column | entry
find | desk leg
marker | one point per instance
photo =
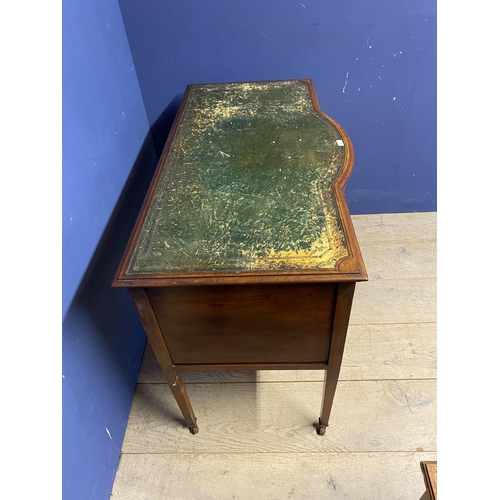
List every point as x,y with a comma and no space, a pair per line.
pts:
180,395
174,378
342,311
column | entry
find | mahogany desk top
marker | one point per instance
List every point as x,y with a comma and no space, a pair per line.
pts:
244,255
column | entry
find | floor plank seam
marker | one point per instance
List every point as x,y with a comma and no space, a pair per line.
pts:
373,280
395,324
317,452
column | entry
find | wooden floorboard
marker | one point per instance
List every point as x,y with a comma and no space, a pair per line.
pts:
394,301
266,476
398,246
257,438
382,415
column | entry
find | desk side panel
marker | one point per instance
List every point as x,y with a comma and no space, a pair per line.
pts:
245,324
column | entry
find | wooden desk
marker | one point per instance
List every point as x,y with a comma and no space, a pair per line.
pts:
244,256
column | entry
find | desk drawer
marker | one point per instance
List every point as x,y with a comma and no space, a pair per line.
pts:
245,323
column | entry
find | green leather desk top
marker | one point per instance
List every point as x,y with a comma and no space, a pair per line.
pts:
245,184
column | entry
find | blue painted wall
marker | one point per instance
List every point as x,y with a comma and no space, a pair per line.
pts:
124,73
104,125
106,141
373,64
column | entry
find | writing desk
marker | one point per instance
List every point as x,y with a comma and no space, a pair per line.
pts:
244,256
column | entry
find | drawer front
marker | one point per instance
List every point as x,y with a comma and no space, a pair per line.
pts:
245,323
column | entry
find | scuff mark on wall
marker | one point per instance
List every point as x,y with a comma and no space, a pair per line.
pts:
249,26
368,44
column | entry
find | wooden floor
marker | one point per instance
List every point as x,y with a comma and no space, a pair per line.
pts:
257,439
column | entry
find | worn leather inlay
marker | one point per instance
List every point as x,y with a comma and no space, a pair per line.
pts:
246,185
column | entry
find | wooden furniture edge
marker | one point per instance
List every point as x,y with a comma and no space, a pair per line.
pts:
262,279
430,484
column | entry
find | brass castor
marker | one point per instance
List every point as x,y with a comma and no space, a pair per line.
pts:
321,429
194,429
